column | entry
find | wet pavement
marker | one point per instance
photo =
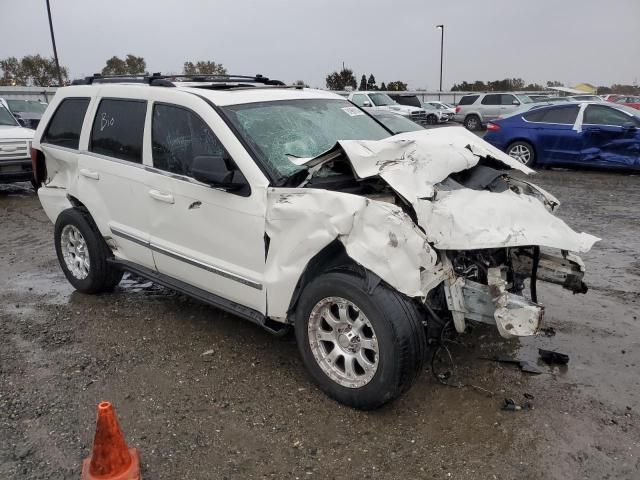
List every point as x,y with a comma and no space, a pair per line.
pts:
203,394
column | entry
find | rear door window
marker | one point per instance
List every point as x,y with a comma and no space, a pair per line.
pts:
506,99
66,124
563,115
468,99
178,136
118,129
492,99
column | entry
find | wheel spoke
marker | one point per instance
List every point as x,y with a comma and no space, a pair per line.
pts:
330,318
349,371
369,344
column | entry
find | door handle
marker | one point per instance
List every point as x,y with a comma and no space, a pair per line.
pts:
89,174
163,197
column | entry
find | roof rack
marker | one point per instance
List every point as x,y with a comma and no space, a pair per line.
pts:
159,80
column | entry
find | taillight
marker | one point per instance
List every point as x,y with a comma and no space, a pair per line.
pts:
458,109
38,166
492,127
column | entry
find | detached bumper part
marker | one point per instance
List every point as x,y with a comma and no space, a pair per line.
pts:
513,315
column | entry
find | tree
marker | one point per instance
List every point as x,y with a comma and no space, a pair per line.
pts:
204,68
341,80
624,89
31,70
363,82
554,83
300,83
397,86
131,65
383,87
371,83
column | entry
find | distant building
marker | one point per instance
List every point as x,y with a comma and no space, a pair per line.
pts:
586,88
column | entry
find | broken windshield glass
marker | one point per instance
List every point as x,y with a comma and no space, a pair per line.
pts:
300,128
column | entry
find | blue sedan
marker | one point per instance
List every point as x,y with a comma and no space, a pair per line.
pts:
592,134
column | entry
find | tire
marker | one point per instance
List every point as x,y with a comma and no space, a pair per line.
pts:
432,119
384,320
34,184
523,152
77,240
473,123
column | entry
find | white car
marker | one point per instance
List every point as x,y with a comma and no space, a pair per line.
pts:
291,207
445,110
15,149
383,102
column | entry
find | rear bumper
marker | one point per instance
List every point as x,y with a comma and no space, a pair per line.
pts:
16,170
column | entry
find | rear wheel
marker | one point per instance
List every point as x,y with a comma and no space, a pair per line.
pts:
83,253
472,122
522,152
362,349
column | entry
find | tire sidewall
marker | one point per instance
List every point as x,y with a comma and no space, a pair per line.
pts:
384,383
432,119
96,253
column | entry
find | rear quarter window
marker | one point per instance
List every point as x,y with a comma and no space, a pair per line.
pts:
118,128
468,100
66,123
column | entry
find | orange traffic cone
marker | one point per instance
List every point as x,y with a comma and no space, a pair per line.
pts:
111,459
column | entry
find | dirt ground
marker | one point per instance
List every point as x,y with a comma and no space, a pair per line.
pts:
247,410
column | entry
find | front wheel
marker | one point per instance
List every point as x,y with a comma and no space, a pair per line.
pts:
522,152
432,119
362,349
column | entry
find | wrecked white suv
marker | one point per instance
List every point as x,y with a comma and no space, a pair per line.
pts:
293,207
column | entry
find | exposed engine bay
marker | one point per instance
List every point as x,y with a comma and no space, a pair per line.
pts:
439,216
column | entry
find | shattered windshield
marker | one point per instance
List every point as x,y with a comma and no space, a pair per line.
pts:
381,99
6,118
300,128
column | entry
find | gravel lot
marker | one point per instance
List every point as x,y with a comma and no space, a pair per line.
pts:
247,409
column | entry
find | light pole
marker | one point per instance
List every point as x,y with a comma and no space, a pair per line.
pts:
441,28
53,41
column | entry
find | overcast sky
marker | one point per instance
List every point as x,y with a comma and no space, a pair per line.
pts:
573,41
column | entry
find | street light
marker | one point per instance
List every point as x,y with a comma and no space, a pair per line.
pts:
53,41
441,28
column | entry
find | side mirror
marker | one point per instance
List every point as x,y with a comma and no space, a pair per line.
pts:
515,102
366,104
218,172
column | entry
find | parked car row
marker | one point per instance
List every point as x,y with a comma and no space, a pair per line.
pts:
27,112
15,149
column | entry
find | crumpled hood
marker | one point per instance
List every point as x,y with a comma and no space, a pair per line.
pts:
414,164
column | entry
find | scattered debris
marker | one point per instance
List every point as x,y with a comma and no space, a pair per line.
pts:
524,365
208,352
551,357
528,396
511,405
548,331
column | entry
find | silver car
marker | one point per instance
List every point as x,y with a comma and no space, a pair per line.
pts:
478,109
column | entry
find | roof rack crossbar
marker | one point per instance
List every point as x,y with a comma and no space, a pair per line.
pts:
158,79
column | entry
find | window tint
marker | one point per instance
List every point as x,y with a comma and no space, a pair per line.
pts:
601,115
492,99
534,116
565,115
118,128
65,125
508,99
178,136
468,99
359,99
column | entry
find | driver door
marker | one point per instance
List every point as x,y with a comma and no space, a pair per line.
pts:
610,138
206,237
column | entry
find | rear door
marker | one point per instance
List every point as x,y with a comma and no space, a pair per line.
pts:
611,138
491,106
112,179
556,139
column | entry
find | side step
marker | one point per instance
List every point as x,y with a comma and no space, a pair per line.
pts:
234,308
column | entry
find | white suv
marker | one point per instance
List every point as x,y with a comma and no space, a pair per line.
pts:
293,207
